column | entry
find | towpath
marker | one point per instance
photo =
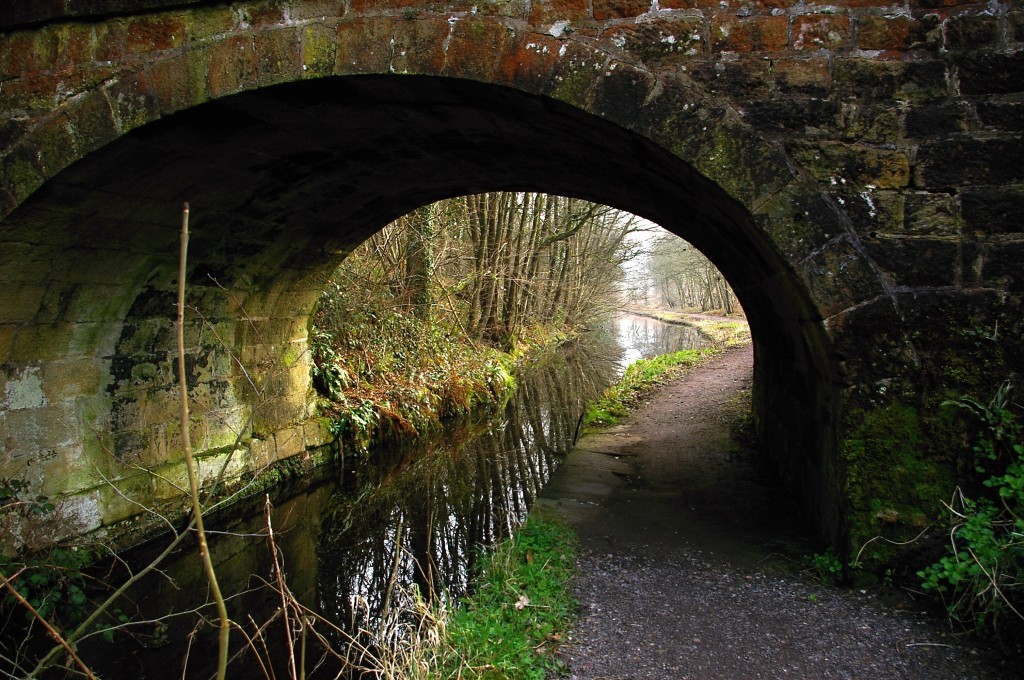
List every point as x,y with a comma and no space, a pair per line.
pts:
687,563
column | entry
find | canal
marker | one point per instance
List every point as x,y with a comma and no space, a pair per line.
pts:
359,542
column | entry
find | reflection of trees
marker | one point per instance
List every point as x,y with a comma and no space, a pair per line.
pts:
420,519
650,337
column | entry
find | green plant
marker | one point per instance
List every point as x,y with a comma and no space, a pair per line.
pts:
980,579
827,567
49,579
521,608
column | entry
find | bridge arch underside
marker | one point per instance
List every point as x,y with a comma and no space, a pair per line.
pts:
283,182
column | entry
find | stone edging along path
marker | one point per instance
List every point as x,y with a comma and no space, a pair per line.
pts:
680,572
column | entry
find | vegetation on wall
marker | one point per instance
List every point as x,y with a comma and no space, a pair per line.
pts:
980,578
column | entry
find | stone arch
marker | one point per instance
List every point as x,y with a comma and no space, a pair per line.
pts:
595,125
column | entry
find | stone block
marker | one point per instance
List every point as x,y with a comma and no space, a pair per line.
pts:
866,123
872,211
20,172
731,33
936,121
978,161
1000,265
886,33
820,31
853,165
319,51
740,79
179,81
19,55
808,76
660,41
126,497
742,163
801,222
56,341
878,81
277,56
7,332
800,115
840,277
1015,26
972,32
364,45
544,13
92,119
990,73
993,210
154,32
618,9
260,15
20,301
1001,116
476,48
205,23
65,379
31,430
22,388
230,66
915,261
263,452
928,214
289,442
317,432
620,94
370,6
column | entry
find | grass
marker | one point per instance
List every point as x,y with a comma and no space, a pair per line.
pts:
640,377
521,609
510,627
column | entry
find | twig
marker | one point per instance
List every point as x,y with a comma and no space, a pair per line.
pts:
186,444
281,589
46,624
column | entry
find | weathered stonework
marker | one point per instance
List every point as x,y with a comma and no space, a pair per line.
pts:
853,167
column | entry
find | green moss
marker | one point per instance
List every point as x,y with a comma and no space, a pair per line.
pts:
319,50
895,482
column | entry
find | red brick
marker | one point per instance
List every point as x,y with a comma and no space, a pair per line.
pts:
476,48
820,31
367,6
232,66
616,9
884,33
363,45
749,34
419,45
546,12
277,55
150,34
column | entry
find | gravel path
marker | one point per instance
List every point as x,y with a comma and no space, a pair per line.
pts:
683,571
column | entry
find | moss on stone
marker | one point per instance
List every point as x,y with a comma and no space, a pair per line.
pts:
895,483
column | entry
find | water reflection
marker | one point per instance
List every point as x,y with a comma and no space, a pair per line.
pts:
419,519
643,337
358,545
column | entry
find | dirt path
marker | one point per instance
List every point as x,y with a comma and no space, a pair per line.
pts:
681,569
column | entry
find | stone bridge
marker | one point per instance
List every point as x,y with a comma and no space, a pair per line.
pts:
853,167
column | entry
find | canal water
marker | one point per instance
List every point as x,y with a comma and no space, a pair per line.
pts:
357,542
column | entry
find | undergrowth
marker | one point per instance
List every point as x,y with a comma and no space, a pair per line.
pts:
384,372
980,578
